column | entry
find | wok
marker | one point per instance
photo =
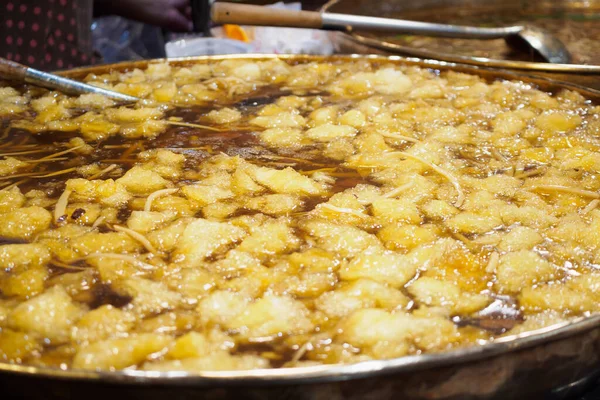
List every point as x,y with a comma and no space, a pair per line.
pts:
555,362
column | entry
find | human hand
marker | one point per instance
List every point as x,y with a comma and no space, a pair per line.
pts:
174,15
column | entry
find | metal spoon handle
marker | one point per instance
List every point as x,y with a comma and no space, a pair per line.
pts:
245,14
345,21
15,71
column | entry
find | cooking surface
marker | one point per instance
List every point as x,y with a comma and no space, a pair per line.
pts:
322,206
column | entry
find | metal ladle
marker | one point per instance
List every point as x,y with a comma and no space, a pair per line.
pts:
520,37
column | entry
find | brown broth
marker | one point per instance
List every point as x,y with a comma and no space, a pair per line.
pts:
464,261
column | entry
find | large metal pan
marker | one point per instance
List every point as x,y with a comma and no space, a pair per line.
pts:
433,10
556,362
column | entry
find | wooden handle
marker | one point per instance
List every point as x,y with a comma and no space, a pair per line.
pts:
12,70
245,14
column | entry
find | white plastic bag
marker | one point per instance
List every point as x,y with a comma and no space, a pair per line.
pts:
263,40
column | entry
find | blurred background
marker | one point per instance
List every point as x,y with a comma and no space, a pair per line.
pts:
117,38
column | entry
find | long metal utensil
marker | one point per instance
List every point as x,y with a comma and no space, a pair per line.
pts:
548,47
15,71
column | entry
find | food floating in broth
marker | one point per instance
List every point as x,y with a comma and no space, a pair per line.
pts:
262,214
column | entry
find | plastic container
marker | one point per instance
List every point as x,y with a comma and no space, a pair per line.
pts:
205,46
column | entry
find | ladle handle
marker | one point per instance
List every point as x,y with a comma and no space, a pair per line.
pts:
15,71
246,14
12,70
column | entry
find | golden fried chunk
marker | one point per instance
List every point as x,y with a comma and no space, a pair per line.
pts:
167,164
520,238
577,294
521,269
20,257
362,293
147,129
165,239
557,297
204,195
149,297
190,345
329,132
11,199
107,192
142,181
433,292
397,236
272,316
367,327
119,353
381,266
102,323
201,238
467,222
15,347
221,307
274,204
11,102
25,284
24,223
396,210
194,283
164,91
282,137
284,119
122,114
557,121
94,100
146,221
49,315
93,127
76,284
286,181
49,108
270,238
83,213
342,239
224,116
384,81
110,242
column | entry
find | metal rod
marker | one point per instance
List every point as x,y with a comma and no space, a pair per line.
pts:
70,86
336,21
